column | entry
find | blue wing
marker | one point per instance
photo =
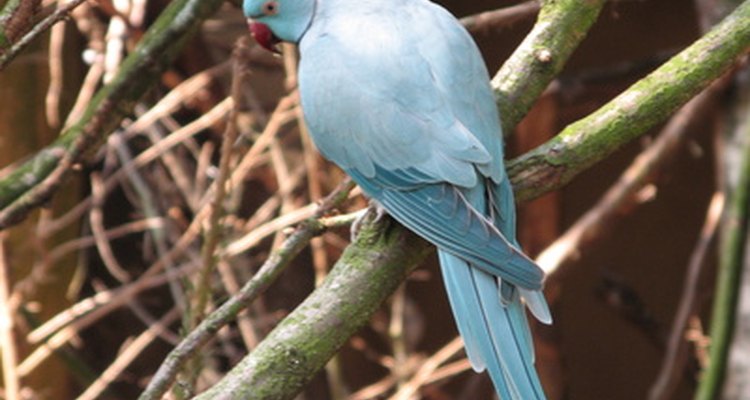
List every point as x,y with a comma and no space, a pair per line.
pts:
442,214
396,93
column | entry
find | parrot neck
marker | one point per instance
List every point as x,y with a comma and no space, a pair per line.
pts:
314,15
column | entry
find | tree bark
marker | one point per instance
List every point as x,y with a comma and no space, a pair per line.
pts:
293,353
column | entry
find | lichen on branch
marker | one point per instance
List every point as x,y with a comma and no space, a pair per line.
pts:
631,114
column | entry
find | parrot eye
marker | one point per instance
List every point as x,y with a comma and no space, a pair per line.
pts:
270,8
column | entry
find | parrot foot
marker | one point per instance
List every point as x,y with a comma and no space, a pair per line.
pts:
380,212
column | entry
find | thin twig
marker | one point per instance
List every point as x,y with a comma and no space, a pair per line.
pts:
271,269
103,303
666,381
134,348
734,238
212,232
58,15
277,225
175,166
624,194
96,218
68,324
87,91
149,155
232,286
397,336
488,21
428,368
450,370
9,351
179,96
52,99
36,180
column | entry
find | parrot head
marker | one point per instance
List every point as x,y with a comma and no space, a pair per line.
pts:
273,21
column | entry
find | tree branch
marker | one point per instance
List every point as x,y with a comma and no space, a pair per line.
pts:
366,274
493,20
372,267
15,19
267,274
31,184
733,245
632,113
15,46
560,27
623,195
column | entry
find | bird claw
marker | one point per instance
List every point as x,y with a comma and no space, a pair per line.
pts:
380,213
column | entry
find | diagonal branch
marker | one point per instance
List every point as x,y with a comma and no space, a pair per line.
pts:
374,265
228,311
635,111
16,17
495,19
559,29
31,184
20,43
365,275
623,195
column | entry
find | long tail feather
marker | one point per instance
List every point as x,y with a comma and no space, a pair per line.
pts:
496,335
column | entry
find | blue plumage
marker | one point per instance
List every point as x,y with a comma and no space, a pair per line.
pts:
396,93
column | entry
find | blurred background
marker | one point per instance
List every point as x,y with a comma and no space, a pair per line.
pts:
85,258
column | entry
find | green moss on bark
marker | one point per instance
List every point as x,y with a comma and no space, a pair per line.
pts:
560,27
365,275
635,111
22,190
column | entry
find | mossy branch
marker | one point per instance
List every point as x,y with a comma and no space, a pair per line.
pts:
266,275
560,27
31,184
12,45
373,266
15,19
370,270
732,249
365,275
198,337
645,104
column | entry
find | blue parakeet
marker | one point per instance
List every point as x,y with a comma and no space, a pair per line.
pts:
396,93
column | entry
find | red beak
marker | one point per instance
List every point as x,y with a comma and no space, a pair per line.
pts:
263,35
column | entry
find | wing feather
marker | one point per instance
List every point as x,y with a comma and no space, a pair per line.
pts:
399,96
409,114
441,214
